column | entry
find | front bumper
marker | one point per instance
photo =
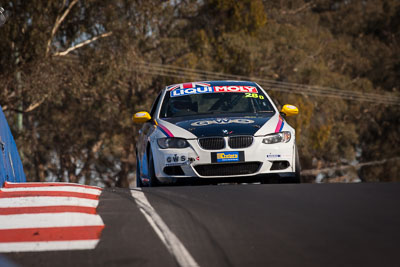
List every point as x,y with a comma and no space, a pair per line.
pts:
194,161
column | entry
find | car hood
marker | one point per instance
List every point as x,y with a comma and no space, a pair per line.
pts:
221,126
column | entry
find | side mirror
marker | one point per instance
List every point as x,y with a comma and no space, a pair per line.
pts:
141,117
290,110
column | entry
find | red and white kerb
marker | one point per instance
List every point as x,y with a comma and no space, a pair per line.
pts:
49,217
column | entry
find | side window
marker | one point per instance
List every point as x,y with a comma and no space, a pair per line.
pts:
155,104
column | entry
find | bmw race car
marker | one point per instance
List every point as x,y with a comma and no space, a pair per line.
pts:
215,131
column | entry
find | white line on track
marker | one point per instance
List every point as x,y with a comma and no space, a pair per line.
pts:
39,220
54,189
35,201
47,245
173,244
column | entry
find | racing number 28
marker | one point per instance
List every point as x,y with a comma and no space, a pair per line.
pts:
254,95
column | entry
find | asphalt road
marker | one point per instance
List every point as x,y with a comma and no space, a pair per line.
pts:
246,225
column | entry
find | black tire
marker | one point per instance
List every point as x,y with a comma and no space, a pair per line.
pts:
297,171
295,179
138,178
153,181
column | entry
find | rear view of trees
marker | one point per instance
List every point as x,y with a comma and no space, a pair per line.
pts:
70,77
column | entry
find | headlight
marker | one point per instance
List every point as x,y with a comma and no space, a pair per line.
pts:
282,137
172,143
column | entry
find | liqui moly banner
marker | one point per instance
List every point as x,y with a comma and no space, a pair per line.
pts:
213,89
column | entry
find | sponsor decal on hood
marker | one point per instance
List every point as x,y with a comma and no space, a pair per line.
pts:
222,126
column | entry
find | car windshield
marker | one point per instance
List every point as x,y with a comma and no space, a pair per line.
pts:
194,101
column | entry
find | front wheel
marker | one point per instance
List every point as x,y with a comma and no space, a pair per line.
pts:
297,167
153,181
295,179
138,178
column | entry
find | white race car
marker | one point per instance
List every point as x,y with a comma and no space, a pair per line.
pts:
216,131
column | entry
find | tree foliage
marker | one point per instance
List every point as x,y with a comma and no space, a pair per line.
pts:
76,107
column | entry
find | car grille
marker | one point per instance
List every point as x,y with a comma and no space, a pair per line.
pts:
212,143
226,169
240,141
